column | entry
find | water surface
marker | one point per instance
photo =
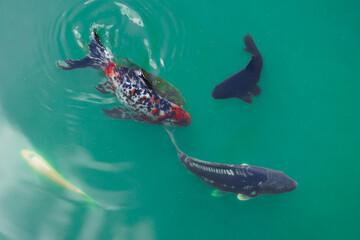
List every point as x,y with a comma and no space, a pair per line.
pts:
305,122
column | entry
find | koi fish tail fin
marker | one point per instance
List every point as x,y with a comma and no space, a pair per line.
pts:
250,45
98,57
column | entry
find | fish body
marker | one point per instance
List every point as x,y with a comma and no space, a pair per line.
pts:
244,180
132,88
243,84
41,166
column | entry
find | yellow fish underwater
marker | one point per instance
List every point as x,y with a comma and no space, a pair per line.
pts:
44,168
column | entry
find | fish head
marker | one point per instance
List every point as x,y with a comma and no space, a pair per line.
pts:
181,116
222,91
278,182
230,88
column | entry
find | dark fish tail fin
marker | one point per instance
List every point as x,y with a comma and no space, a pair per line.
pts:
250,45
98,57
172,139
182,156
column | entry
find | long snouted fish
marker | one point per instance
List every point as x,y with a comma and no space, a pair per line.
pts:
41,166
243,84
244,180
133,87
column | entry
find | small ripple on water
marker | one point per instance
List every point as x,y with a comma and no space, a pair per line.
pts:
131,14
93,98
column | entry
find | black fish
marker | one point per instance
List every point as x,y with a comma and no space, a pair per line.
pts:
243,84
244,180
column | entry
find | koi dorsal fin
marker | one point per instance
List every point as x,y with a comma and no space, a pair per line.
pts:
160,86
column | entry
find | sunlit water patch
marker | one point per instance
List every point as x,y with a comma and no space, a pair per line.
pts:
304,121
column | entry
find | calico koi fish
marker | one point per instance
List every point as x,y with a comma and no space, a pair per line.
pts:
142,99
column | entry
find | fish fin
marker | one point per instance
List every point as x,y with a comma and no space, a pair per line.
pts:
218,193
98,57
90,201
159,85
148,83
72,64
180,153
243,197
118,112
250,45
255,91
131,64
164,88
246,98
125,114
105,88
245,164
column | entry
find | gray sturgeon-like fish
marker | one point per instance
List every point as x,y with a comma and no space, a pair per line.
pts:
244,180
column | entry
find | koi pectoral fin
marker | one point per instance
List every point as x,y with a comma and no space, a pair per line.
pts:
218,193
255,91
243,197
73,64
125,114
105,88
246,98
118,112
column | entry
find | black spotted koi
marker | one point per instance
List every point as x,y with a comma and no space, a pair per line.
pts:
142,99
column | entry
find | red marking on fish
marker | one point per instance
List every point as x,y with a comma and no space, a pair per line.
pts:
161,117
155,111
181,115
109,69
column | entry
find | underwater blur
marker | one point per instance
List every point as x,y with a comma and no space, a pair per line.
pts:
68,171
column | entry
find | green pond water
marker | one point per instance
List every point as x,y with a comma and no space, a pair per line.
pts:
305,122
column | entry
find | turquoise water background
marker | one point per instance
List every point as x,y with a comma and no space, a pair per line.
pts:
305,122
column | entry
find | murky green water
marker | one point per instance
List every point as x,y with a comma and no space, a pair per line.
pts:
305,122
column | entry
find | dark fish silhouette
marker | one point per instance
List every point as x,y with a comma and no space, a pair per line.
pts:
243,84
244,180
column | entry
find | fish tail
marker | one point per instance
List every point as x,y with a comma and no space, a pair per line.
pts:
90,201
172,139
98,57
250,45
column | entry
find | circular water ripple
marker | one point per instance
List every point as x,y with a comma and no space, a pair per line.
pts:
147,33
